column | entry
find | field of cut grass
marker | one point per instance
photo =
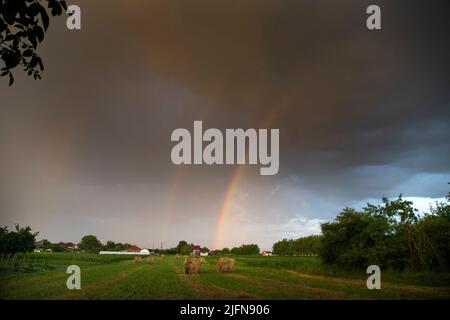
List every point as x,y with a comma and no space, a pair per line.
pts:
312,265
118,277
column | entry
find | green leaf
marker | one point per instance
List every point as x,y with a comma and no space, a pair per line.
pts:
34,9
9,12
45,18
11,59
39,33
63,4
56,10
3,26
34,61
32,39
41,65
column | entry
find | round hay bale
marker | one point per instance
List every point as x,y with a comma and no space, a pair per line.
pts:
192,266
225,265
202,260
150,260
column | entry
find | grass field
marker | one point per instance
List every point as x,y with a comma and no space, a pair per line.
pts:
43,276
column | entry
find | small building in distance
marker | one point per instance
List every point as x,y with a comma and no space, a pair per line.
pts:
213,252
133,250
196,250
266,253
69,246
39,245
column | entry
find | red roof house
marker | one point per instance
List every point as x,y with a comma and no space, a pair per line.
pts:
134,249
196,249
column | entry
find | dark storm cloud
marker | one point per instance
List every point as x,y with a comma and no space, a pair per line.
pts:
369,96
345,98
362,113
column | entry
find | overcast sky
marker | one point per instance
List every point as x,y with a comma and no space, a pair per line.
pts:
362,114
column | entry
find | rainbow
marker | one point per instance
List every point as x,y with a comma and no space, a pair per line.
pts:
176,185
226,206
230,190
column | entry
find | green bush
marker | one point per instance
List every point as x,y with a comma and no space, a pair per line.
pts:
299,247
19,240
390,235
245,249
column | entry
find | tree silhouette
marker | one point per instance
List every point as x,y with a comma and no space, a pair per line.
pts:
90,243
23,24
19,240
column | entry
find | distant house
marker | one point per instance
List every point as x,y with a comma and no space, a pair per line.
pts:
39,244
69,246
196,250
133,250
266,253
213,252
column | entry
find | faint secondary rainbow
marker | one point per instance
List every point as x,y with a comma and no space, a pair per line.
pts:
172,200
174,191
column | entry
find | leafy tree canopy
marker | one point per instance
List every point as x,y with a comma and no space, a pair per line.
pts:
23,24
302,246
90,243
390,235
246,249
18,240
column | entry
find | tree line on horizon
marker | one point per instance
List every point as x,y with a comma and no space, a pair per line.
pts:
304,246
391,235
24,240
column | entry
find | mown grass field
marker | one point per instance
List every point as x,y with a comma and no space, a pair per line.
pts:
43,276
